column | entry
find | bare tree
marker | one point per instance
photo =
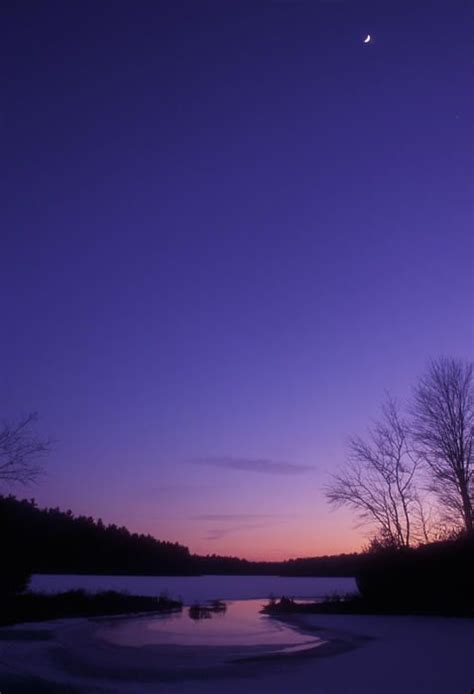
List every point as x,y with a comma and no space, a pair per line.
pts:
21,451
378,480
443,427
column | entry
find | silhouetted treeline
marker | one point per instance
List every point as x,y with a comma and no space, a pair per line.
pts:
338,565
54,541
433,577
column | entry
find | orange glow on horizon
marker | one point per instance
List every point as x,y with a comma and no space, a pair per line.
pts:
267,545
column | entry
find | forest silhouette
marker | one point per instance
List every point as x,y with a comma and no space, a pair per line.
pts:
55,541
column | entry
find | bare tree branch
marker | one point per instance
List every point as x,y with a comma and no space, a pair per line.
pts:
443,412
21,451
378,480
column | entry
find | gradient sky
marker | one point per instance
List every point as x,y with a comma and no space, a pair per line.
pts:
227,228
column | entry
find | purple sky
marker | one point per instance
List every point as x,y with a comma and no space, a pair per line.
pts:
227,228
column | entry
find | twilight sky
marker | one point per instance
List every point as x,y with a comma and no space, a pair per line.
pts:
228,227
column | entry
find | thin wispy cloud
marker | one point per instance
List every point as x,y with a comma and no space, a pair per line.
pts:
220,525
232,523
232,517
259,465
300,3
219,533
183,491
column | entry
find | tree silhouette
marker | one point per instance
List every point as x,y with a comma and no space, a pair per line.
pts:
21,451
444,431
378,480
55,541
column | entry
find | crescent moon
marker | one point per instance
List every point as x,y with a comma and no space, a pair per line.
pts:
367,38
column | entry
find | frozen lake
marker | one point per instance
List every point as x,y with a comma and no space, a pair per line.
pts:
191,589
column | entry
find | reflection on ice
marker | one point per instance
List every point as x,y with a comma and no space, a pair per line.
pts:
237,623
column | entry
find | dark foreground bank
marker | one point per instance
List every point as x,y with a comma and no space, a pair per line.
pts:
38,607
357,605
